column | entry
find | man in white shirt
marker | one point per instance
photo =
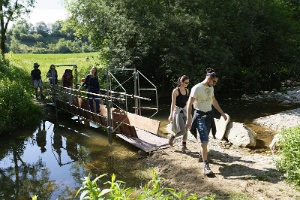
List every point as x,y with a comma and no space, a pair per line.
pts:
202,98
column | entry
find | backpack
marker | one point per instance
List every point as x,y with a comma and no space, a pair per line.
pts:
67,78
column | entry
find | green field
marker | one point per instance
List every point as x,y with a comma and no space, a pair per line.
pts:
26,61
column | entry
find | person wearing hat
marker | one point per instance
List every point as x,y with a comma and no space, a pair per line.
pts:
37,80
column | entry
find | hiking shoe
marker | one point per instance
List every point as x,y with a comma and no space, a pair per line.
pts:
206,169
185,149
171,140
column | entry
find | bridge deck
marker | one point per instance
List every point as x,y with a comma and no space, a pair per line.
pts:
137,130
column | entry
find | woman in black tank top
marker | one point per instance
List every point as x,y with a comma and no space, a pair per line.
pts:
182,99
177,116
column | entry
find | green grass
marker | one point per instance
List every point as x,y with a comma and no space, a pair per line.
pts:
289,161
26,61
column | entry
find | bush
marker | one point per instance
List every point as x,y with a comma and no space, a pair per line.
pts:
117,190
17,108
16,105
289,161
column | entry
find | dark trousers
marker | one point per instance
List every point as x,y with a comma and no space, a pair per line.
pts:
93,98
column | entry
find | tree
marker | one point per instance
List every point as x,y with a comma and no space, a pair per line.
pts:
56,28
42,29
11,10
252,44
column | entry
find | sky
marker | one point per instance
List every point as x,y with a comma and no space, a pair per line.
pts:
48,11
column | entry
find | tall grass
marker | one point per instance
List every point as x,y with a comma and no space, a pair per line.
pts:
116,189
289,161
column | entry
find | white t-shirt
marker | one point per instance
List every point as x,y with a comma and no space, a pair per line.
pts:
203,97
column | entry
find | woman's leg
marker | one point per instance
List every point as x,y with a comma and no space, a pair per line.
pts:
91,102
97,101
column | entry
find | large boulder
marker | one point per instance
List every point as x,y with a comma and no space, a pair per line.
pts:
240,135
280,121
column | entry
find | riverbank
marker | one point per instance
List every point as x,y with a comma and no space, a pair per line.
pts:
239,173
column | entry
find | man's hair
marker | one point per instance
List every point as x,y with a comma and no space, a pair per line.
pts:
211,72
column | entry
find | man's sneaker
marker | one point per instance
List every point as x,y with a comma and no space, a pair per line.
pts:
171,140
207,170
185,149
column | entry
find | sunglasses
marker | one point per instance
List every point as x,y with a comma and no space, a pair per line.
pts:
186,83
214,81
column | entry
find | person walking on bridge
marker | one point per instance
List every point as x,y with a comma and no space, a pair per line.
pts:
202,98
92,84
178,114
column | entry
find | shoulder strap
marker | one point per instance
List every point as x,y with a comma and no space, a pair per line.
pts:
179,93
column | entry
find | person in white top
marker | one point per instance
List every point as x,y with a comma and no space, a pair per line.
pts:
202,98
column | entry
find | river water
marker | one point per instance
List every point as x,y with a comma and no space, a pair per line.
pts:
51,159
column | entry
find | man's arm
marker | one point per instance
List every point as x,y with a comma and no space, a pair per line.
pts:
217,106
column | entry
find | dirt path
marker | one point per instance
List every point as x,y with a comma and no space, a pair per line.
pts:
237,171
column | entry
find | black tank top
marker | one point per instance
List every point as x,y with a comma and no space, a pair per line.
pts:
181,99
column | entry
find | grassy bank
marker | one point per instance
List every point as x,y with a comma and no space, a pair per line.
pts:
17,105
25,61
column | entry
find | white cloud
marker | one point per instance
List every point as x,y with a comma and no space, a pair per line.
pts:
47,11
47,16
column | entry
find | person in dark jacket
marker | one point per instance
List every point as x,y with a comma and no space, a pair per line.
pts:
92,84
37,80
180,96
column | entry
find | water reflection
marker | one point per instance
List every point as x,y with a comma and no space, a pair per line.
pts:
51,160
41,137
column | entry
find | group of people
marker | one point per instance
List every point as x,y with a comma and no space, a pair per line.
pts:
91,83
67,79
201,98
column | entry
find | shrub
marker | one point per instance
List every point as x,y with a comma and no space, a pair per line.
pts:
16,104
116,190
17,108
289,161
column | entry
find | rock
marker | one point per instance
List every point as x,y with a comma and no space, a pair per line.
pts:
290,97
274,144
240,135
237,134
280,121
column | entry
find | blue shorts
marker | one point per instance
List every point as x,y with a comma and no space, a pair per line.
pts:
202,129
203,125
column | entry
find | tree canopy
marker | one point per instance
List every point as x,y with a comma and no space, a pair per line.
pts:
253,45
11,10
24,37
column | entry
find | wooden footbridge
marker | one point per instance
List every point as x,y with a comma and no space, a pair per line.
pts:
134,128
